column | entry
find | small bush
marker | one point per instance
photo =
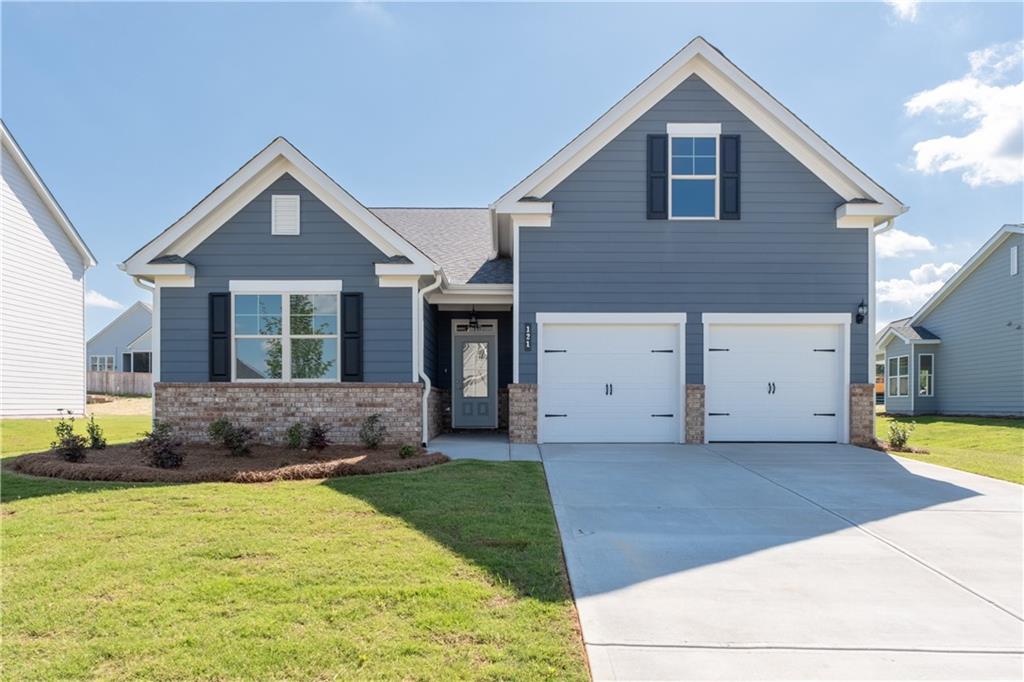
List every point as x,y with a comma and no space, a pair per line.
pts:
899,434
217,429
236,439
96,439
373,431
161,447
316,436
407,451
295,435
69,445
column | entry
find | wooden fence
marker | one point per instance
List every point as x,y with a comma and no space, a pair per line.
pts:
120,383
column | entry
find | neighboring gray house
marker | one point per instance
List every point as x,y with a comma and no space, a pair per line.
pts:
43,262
963,352
694,266
124,344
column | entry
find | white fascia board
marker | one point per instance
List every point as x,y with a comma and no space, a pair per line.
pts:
865,215
388,269
700,58
611,318
963,273
398,281
29,171
472,294
285,286
777,318
255,176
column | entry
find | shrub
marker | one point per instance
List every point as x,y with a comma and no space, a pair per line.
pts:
237,439
899,434
161,447
407,451
69,445
295,435
96,439
316,436
373,432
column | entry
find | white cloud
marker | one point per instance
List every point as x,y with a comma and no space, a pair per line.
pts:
900,244
992,105
95,299
924,281
904,10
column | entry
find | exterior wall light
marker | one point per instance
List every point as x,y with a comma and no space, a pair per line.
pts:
862,311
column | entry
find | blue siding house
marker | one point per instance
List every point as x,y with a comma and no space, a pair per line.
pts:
963,352
695,266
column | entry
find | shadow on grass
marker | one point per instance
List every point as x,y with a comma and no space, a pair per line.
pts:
496,514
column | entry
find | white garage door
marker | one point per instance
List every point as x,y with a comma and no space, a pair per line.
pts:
610,383
773,383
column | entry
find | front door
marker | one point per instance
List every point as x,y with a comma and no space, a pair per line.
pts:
475,375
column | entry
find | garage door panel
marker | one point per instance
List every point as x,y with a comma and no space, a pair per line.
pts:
773,382
603,383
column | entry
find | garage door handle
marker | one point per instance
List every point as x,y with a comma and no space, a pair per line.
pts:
606,389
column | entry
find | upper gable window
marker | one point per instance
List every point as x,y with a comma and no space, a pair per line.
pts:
284,214
1014,259
693,170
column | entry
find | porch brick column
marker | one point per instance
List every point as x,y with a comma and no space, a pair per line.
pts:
862,414
522,413
694,413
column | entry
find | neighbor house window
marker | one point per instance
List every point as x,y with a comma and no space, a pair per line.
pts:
101,363
693,170
1014,261
286,337
926,375
899,377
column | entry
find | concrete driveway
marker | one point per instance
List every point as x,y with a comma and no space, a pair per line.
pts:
788,562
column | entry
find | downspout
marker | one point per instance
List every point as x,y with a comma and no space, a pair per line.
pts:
424,429
885,227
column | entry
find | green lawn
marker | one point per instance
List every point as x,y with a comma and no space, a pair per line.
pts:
453,572
991,447
18,436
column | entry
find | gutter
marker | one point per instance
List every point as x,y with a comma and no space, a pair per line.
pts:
421,360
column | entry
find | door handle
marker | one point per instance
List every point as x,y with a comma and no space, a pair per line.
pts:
611,389
771,388
606,389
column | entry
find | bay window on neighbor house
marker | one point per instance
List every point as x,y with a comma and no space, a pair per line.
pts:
926,375
285,336
693,171
899,377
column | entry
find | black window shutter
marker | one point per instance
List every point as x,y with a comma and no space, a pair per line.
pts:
657,177
729,171
352,337
220,337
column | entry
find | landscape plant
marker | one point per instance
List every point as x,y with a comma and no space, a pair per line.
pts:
162,447
407,451
295,435
69,445
899,434
316,436
96,439
373,431
236,439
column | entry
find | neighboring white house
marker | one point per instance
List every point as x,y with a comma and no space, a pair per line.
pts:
43,261
124,344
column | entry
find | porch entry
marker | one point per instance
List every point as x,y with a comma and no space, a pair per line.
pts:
474,374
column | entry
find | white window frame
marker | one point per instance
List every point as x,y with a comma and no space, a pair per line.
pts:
274,200
889,376
107,361
1014,259
714,130
931,378
285,337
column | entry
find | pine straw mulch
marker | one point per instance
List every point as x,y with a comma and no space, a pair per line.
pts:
204,463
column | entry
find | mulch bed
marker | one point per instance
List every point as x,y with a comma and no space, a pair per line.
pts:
207,463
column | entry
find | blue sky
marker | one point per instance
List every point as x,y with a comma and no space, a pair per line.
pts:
133,112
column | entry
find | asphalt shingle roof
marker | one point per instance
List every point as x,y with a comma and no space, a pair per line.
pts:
901,327
457,239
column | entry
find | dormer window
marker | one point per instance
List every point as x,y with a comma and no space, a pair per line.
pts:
284,214
693,170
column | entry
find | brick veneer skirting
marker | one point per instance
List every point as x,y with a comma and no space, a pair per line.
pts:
522,413
694,413
439,412
270,408
862,414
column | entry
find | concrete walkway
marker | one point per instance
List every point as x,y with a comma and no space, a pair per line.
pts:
788,562
491,446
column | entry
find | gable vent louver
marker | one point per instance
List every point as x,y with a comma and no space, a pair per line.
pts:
284,214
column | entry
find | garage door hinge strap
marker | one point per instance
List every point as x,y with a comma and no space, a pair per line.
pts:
824,414
555,351
662,415
718,350
663,351
824,350
718,414
556,415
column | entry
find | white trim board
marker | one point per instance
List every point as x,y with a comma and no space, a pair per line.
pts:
701,58
18,155
678,319
276,159
285,286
